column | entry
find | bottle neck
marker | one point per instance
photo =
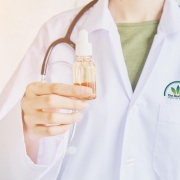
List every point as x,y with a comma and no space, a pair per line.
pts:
83,58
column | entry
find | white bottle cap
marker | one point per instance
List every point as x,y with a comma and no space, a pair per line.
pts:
83,47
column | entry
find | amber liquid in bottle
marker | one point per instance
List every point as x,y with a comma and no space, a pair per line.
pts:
84,74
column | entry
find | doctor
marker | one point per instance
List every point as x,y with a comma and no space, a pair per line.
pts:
131,131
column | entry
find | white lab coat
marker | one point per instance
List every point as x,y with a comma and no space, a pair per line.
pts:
123,135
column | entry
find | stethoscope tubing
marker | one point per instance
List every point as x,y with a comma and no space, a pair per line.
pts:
68,41
65,39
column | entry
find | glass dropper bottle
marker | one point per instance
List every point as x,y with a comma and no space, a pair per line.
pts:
84,70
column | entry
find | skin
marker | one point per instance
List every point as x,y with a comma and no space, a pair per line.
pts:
42,101
40,107
135,11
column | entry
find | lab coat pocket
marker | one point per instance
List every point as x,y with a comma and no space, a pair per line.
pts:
166,159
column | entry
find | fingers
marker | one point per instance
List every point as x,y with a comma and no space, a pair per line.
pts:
45,118
43,131
39,88
54,102
43,100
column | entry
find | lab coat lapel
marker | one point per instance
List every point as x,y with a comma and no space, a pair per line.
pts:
119,60
169,24
100,19
154,56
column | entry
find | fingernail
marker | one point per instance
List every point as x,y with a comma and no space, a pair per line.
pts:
84,105
87,91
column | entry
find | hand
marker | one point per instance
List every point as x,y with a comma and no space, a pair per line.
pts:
42,103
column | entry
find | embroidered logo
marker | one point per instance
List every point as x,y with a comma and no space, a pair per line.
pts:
172,90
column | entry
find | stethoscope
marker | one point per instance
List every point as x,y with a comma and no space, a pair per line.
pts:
68,41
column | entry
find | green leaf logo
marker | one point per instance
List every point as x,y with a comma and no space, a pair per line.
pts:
173,90
176,91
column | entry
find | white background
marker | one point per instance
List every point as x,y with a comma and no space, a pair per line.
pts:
20,21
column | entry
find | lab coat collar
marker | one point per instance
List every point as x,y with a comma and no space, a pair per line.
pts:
170,19
100,17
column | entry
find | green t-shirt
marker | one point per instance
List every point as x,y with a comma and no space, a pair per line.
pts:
136,40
